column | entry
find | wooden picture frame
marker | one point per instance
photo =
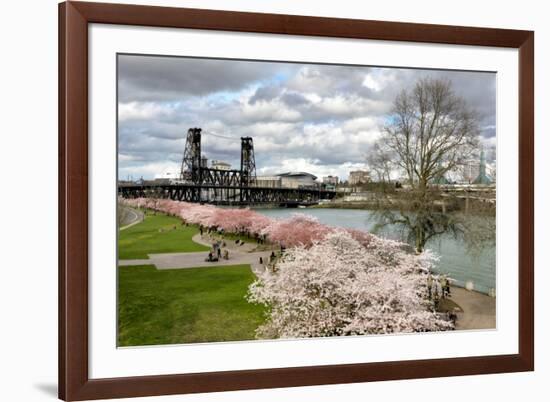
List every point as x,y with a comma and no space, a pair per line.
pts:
74,381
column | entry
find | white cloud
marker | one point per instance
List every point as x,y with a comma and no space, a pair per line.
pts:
148,170
274,111
144,111
378,79
371,83
318,118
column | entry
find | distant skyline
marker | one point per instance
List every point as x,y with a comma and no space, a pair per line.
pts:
320,119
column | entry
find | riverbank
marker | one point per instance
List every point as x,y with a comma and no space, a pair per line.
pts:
370,205
474,310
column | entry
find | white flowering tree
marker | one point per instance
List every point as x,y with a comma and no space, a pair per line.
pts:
339,286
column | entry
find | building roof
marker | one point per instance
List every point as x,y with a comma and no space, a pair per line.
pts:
296,174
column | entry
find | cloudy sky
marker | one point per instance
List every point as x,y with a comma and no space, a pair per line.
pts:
303,117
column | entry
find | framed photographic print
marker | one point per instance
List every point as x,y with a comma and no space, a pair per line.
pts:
259,200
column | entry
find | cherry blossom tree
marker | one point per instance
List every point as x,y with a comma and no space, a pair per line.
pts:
299,229
233,220
329,281
340,287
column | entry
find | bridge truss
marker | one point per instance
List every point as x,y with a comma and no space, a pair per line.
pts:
199,183
227,195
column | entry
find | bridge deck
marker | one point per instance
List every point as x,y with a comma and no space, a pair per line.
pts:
226,194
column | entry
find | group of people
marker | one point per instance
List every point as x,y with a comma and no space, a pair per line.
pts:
216,253
439,287
271,263
260,239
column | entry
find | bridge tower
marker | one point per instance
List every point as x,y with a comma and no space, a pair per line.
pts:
248,168
191,162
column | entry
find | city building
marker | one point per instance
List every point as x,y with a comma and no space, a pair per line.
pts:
166,177
358,177
220,165
268,181
478,171
468,172
298,179
482,177
441,179
161,180
330,180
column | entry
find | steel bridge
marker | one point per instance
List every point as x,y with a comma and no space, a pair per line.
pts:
199,183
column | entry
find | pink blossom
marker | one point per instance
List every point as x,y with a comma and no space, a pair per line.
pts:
338,287
300,229
329,281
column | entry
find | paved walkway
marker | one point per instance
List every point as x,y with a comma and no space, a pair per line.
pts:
238,255
132,217
478,309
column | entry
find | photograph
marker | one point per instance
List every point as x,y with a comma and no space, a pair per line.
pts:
268,200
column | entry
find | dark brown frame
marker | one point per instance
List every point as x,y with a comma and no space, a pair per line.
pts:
74,17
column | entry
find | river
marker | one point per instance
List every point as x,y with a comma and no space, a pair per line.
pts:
456,260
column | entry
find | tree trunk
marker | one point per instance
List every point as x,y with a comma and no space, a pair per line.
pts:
420,238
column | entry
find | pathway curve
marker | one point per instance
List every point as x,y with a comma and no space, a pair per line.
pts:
479,310
238,255
133,217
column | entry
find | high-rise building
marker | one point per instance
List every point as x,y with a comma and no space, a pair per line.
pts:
477,171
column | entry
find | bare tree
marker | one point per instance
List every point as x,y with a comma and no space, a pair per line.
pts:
380,160
431,132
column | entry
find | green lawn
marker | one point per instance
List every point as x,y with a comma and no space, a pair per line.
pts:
157,234
185,305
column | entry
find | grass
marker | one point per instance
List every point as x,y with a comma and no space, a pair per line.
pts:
157,234
185,305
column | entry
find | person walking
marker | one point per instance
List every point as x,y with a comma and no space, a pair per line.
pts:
436,293
443,285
